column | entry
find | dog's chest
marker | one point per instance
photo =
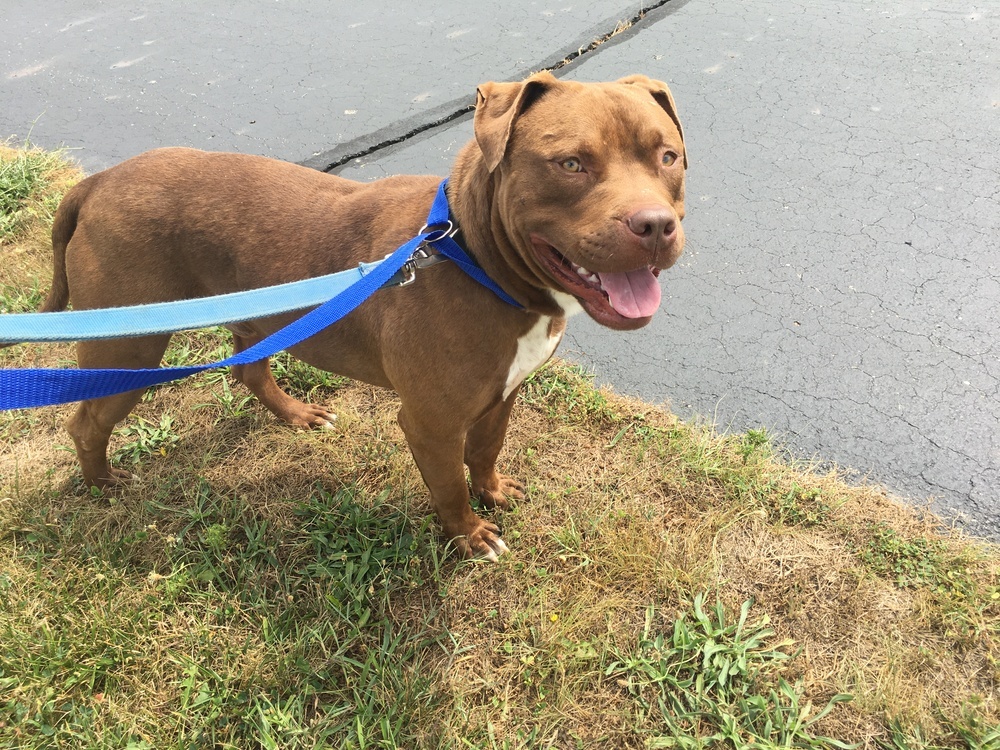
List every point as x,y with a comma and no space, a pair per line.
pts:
533,349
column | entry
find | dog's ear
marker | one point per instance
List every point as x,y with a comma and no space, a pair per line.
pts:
663,97
498,105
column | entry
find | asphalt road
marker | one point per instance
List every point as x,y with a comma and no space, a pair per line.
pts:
840,283
114,78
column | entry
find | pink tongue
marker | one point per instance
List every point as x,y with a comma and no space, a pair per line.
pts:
635,294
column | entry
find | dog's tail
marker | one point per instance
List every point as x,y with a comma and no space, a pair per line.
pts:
63,227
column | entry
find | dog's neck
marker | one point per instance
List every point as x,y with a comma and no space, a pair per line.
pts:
471,191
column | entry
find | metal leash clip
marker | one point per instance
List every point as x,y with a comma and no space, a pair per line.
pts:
423,256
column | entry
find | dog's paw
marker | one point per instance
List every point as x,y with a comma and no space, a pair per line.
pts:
499,492
310,416
484,542
111,480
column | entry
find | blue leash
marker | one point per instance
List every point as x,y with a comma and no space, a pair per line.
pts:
27,388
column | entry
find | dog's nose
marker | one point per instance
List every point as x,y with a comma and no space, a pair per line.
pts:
653,225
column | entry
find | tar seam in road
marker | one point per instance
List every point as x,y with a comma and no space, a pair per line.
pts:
404,130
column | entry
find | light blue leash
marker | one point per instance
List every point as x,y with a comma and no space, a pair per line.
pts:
26,388
179,315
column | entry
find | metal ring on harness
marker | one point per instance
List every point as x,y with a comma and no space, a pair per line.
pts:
438,234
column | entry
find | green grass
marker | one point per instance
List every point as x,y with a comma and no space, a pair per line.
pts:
288,641
910,562
25,195
716,681
20,299
145,439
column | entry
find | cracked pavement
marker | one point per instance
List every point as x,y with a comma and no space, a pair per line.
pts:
840,284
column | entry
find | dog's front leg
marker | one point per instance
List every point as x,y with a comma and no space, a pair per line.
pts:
482,446
257,376
437,447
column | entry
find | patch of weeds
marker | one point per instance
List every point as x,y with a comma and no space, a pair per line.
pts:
715,681
653,434
965,604
646,438
973,731
906,738
40,531
302,380
216,537
146,438
799,506
50,722
55,669
572,544
908,562
566,391
197,347
360,552
969,732
354,552
207,699
547,663
223,544
17,299
233,404
756,443
26,194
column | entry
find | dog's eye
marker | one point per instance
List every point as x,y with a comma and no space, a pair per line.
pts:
669,158
571,165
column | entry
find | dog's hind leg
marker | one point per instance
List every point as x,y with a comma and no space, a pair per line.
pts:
257,376
483,442
92,424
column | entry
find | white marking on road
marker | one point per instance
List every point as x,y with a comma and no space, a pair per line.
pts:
128,63
29,71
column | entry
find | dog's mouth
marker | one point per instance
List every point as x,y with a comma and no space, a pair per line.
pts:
617,299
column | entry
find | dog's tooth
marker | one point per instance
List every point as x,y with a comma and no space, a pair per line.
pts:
582,271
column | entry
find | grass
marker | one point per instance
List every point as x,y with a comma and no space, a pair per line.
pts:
29,189
711,681
32,183
668,586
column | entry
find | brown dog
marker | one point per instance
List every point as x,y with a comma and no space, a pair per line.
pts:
570,197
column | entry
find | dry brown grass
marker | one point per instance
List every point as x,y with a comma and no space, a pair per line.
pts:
628,508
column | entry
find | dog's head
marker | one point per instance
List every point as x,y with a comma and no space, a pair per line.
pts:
590,184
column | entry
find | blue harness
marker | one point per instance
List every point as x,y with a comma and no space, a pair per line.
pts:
25,388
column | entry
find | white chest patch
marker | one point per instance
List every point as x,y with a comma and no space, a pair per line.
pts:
570,304
533,349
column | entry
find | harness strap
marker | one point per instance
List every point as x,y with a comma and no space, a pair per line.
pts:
452,250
